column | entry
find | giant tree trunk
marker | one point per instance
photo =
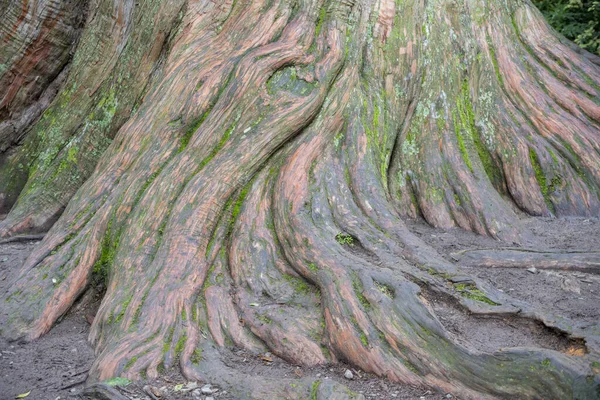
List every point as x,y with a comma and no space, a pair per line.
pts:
264,155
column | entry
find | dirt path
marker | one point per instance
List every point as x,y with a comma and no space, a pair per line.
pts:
55,367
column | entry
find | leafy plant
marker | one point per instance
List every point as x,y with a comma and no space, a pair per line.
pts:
577,20
344,239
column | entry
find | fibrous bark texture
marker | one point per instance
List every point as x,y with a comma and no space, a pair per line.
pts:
37,39
264,156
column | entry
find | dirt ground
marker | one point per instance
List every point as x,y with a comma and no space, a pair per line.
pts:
55,366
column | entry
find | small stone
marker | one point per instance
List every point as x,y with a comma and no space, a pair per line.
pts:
206,389
209,398
197,394
449,396
533,270
318,375
348,374
571,285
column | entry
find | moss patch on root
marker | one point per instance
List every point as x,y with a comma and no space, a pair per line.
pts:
470,291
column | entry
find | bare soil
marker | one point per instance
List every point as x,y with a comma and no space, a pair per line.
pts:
55,366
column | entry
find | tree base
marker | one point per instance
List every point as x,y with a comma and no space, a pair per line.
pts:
256,196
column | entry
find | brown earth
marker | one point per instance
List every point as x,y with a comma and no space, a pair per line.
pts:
55,366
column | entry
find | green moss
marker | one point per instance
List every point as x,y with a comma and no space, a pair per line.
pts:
433,272
457,199
495,63
547,362
299,284
189,132
117,381
470,291
130,363
180,344
358,290
465,129
167,344
218,148
196,356
314,390
123,308
109,246
461,142
313,267
541,179
138,310
194,314
264,319
287,79
385,289
363,339
411,367
344,239
321,20
238,204
207,280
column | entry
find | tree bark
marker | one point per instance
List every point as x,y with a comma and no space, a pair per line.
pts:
37,38
264,156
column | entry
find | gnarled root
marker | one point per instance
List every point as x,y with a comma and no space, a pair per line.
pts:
256,198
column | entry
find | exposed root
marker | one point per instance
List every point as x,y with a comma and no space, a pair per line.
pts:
22,238
255,199
526,258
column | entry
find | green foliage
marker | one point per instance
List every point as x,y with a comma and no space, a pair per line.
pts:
577,20
344,239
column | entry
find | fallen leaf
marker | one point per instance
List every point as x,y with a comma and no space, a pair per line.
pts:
178,388
267,359
576,351
253,304
23,395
